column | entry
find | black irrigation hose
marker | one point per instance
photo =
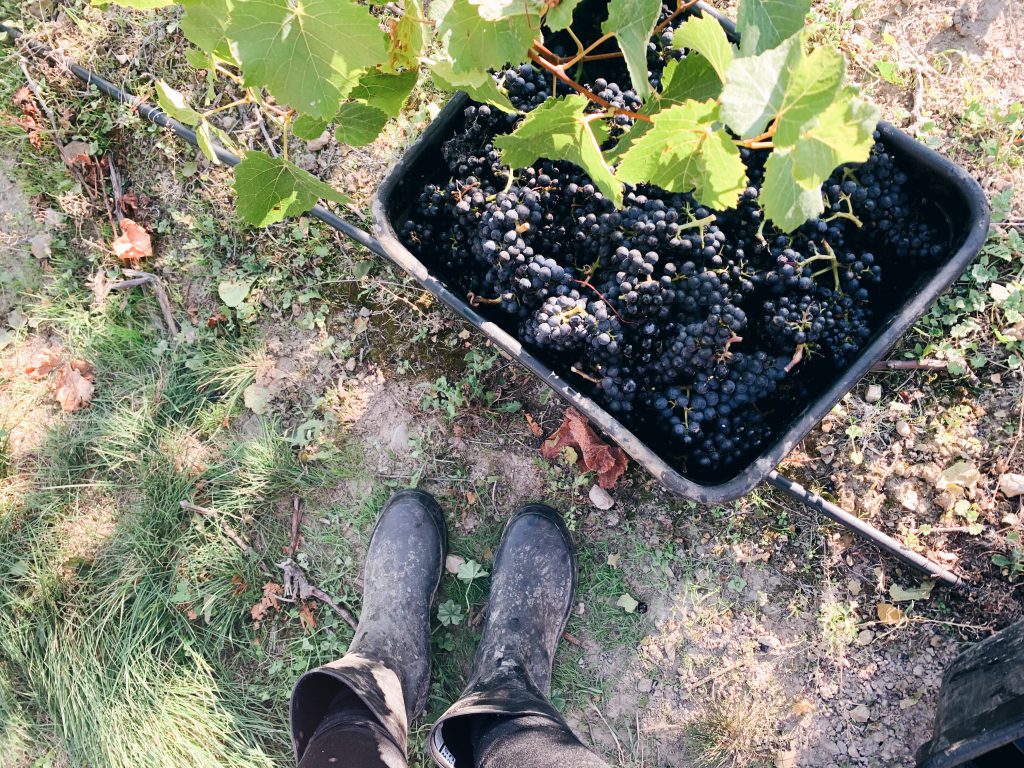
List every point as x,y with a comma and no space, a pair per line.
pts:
793,489
157,116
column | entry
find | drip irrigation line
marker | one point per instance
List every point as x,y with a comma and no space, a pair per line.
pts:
161,118
790,487
878,538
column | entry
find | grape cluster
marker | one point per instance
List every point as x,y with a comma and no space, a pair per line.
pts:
694,326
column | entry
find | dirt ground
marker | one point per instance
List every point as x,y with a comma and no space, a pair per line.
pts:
771,637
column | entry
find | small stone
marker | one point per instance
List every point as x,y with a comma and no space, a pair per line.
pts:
1011,484
854,586
40,245
581,609
452,563
945,500
645,685
936,641
865,637
600,498
786,759
321,141
860,714
873,394
1010,519
903,429
909,499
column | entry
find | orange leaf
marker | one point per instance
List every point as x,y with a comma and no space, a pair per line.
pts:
534,426
608,461
133,244
306,616
267,603
43,363
72,390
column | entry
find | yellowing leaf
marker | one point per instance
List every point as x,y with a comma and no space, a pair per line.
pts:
888,613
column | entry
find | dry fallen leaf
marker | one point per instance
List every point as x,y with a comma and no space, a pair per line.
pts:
76,152
306,617
73,388
608,461
42,364
535,428
889,613
133,244
267,603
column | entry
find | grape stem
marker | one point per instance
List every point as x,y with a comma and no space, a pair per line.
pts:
681,8
698,223
586,376
601,295
558,70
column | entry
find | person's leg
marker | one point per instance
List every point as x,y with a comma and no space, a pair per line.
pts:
504,718
355,712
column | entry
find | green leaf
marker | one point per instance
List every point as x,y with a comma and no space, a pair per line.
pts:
233,292
408,37
479,85
473,43
204,138
784,201
385,91
359,124
308,127
810,89
471,570
764,24
842,134
173,103
205,24
691,78
687,150
559,130
560,16
308,55
496,10
755,87
270,188
705,35
628,603
449,613
632,22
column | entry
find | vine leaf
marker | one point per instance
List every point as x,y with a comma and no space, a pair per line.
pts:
688,150
560,16
479,85
173,103
632,22
359,124
560,130
756,85
204,138
764,24
310,55
388,92
496,10
308,127
811,88
270,188
785,202
408,37
705,35
474,43
843,133
205,24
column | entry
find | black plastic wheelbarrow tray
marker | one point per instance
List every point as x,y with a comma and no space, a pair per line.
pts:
956,199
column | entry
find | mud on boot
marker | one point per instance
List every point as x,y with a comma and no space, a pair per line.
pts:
533,585
387,666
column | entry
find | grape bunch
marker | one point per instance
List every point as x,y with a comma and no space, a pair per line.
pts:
699,329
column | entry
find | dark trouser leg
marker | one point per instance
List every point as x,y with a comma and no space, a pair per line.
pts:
351,737
529,742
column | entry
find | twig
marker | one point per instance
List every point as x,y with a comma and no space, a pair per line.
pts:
558,71
115,187
715,675
230,532
124,284
682,7
296,584
915,110
258,116
910,365
296,525
161,297
32,86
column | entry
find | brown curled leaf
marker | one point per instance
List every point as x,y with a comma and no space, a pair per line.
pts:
608,461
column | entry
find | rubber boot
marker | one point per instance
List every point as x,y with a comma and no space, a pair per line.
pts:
532,591
387,666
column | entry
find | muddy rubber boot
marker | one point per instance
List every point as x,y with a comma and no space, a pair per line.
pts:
387,667
532,591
